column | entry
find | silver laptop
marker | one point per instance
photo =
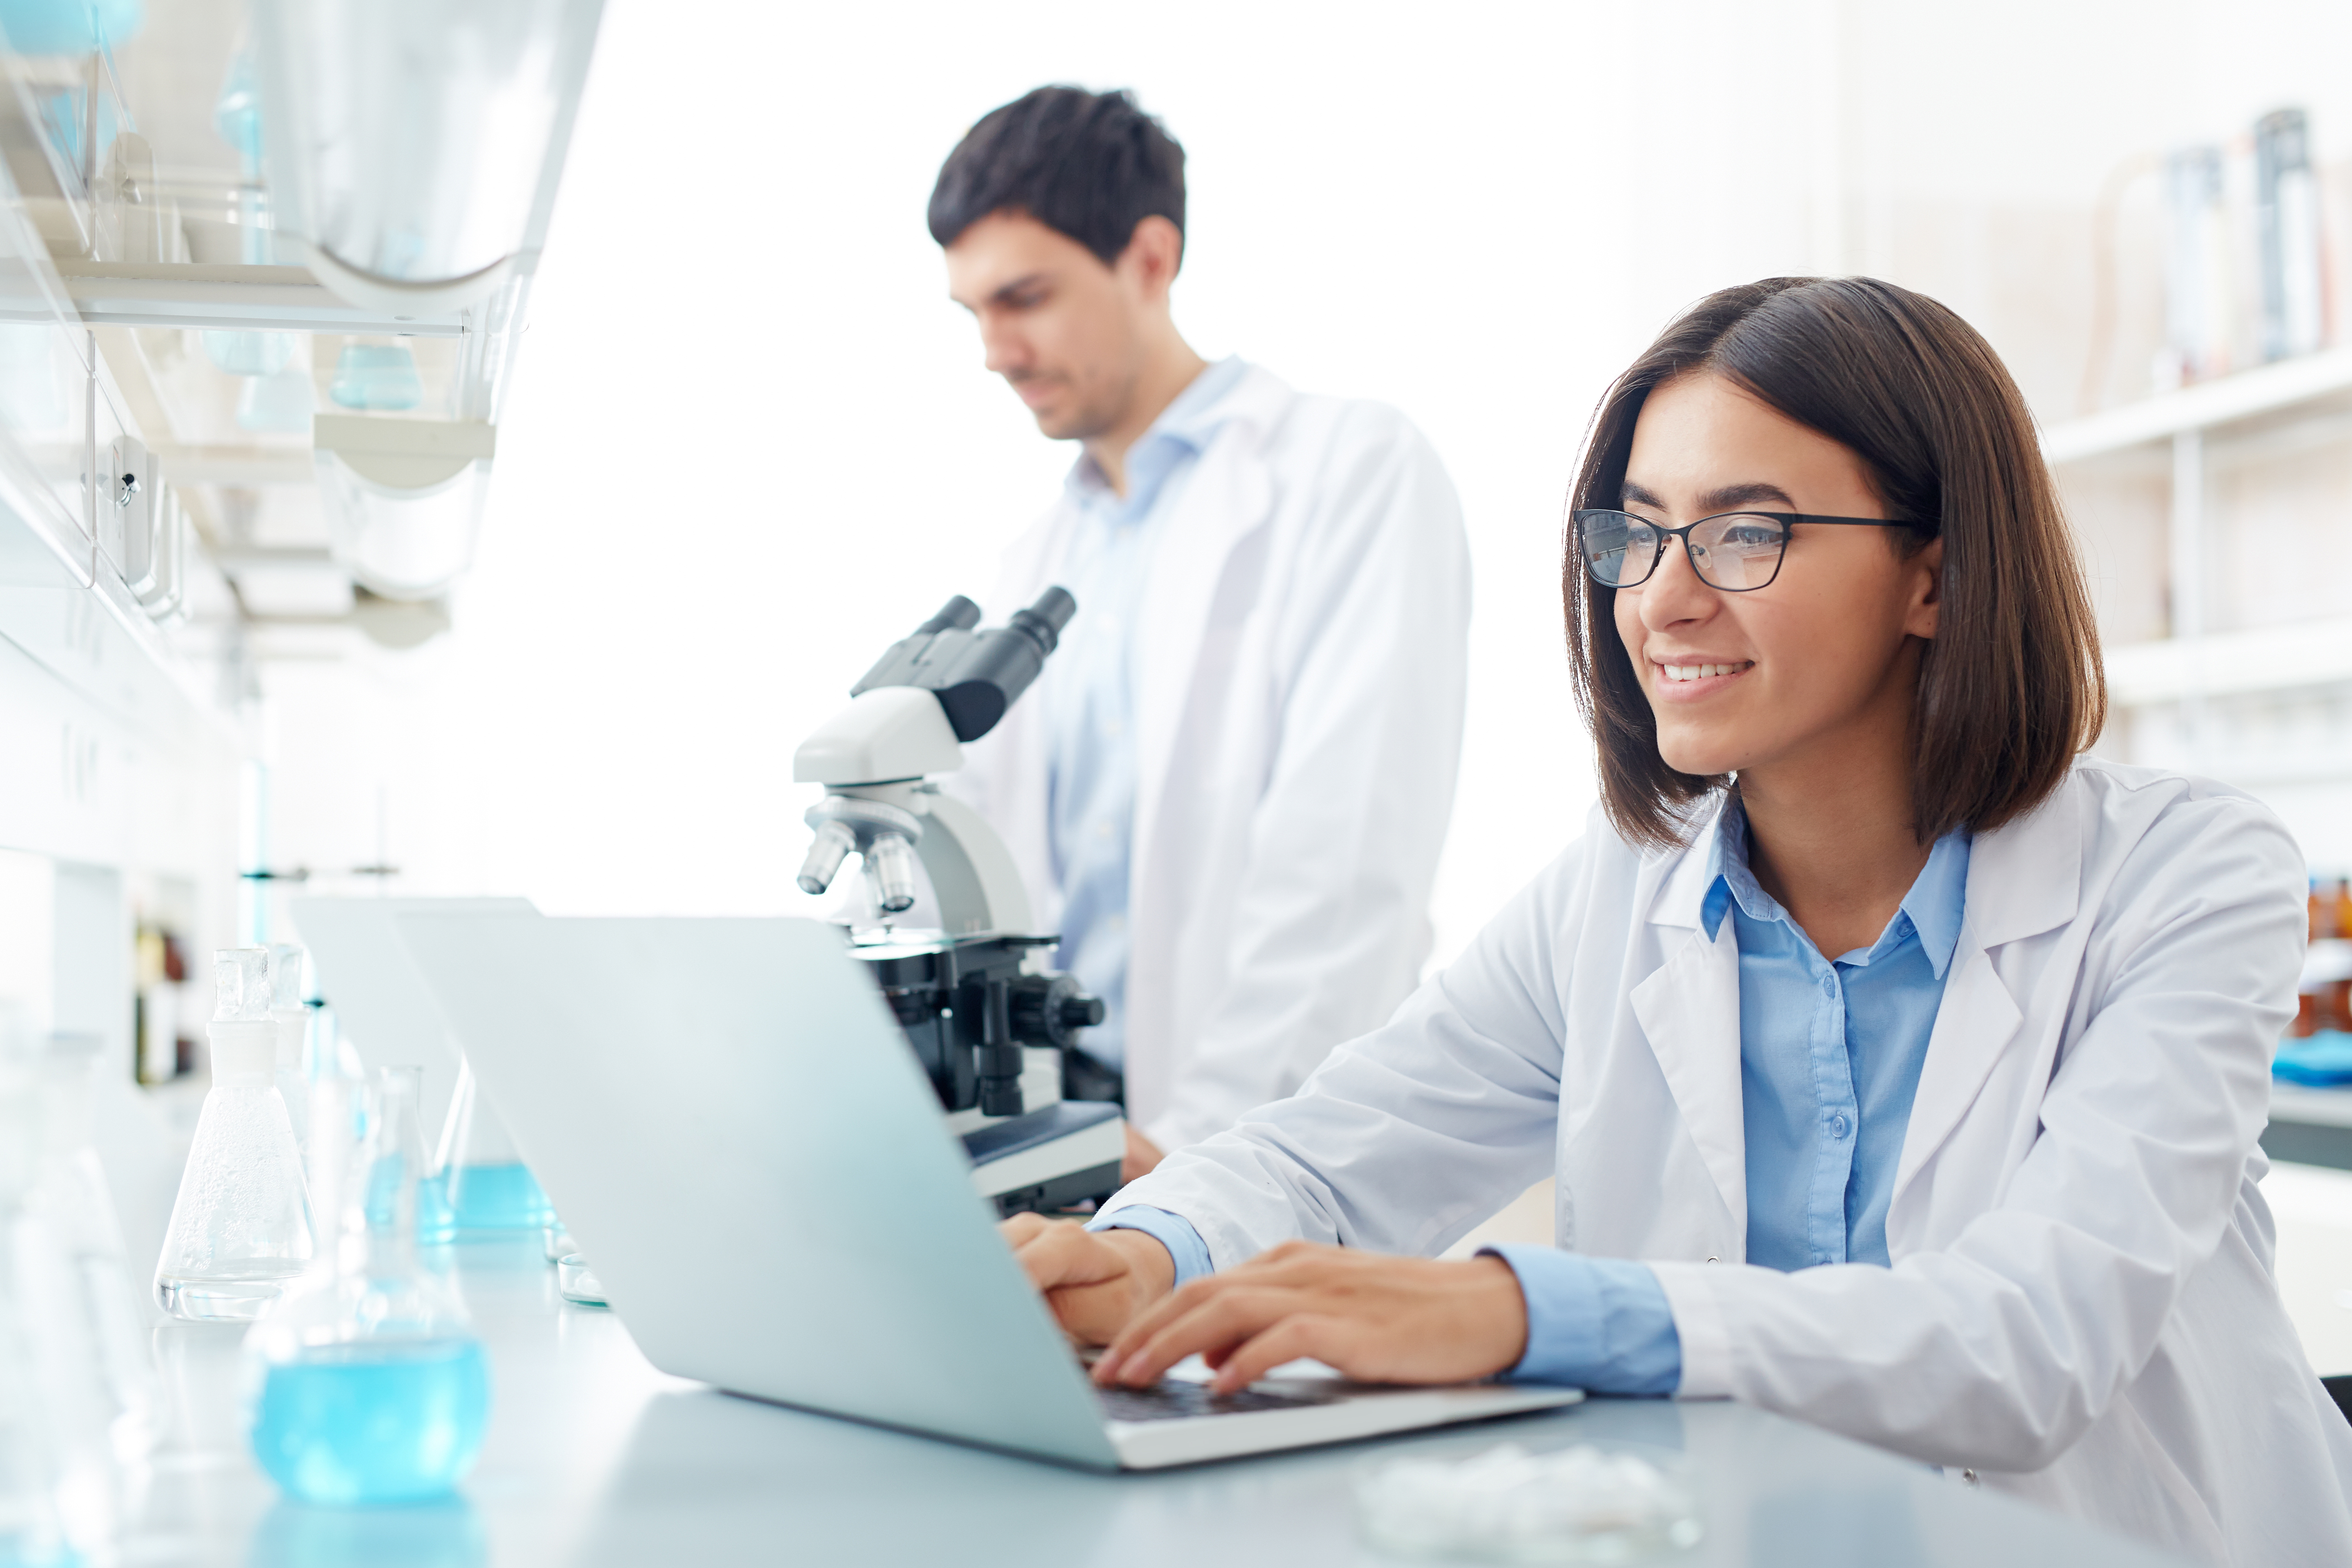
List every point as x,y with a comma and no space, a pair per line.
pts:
730,1121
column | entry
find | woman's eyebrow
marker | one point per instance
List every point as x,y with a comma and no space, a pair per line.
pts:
1631,494
1729,497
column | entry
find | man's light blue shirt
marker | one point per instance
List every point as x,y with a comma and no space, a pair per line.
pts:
1829,1055
1089,696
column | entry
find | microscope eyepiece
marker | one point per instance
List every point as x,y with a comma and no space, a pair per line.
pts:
1045,619
975,675
959,614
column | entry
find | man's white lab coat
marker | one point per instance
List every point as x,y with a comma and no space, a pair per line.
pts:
2081,1305
1299,670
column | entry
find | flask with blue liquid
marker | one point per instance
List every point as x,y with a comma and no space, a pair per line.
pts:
487,1185
366,1384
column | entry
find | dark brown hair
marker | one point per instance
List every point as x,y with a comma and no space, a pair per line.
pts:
2011,687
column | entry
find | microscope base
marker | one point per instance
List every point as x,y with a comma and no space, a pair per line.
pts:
1049,1159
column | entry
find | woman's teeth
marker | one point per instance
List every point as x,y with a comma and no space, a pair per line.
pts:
1700,671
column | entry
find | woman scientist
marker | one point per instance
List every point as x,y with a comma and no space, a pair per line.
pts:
1900,1068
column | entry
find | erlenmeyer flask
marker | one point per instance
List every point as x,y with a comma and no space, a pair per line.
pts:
489,1187
404,1131
366,1384
70,1197
240,1228
293,1020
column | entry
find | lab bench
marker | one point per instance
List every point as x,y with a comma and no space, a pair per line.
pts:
2310,1126
595,1459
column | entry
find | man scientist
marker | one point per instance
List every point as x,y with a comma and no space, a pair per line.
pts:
1229,790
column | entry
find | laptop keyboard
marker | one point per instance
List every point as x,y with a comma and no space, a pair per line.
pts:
1175,1399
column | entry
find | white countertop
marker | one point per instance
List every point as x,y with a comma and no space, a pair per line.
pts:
594,1458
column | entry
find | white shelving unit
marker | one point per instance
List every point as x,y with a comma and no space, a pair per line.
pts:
2297,399
2193,662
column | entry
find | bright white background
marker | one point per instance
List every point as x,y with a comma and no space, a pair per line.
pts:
750,442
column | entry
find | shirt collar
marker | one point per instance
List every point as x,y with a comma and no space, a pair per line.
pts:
1188,422
1934,905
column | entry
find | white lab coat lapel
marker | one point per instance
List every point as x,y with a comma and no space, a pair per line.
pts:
2023,880
1689,1010
1228,497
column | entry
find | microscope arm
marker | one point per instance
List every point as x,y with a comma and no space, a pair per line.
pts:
972,876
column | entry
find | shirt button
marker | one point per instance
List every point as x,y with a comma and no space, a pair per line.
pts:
1837,1126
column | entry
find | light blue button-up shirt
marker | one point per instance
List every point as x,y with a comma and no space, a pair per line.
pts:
1829,1055
1089,694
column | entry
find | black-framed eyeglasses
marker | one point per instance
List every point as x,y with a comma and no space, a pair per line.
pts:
1738,551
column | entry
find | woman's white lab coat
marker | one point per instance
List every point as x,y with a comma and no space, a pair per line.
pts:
1299,670
2081,1305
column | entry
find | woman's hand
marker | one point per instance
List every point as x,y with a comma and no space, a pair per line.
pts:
1142,1157
1376,1319
1096,1281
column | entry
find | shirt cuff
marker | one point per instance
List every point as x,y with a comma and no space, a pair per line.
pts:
1598,1323
1172,1231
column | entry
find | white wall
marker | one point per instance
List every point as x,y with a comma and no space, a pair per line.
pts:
751,441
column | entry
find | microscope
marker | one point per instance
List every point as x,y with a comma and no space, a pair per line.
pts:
989,1023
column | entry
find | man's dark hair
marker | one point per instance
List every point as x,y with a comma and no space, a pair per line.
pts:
1091,166
2011,688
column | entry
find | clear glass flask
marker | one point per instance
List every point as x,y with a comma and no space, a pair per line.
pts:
489,1188
70,1196
366,1384
405,1129
292,1016
241,1229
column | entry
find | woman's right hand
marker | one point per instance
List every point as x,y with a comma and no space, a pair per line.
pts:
1095,1280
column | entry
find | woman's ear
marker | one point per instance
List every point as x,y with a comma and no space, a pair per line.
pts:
1919,618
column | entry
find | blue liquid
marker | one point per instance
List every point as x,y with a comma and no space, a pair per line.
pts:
435,1221
371,1423
498,1197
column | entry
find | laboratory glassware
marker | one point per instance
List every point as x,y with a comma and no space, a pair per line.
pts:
283,400
70,1196
416,148
576,1281
31,1531
376,377
292,1018
2286,210
404,1130
241,1229
489,1188
367,1383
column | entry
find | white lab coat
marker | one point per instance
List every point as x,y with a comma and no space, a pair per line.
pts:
1300,666
2081,1305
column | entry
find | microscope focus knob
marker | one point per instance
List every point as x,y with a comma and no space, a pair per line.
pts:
1049,1009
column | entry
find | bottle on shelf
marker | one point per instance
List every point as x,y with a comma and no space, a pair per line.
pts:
366,1384
240,1230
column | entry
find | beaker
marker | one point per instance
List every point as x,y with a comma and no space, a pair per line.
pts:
489,1187
241,1229
366,1384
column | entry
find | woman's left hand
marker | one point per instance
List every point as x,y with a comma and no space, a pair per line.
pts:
1376,1319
